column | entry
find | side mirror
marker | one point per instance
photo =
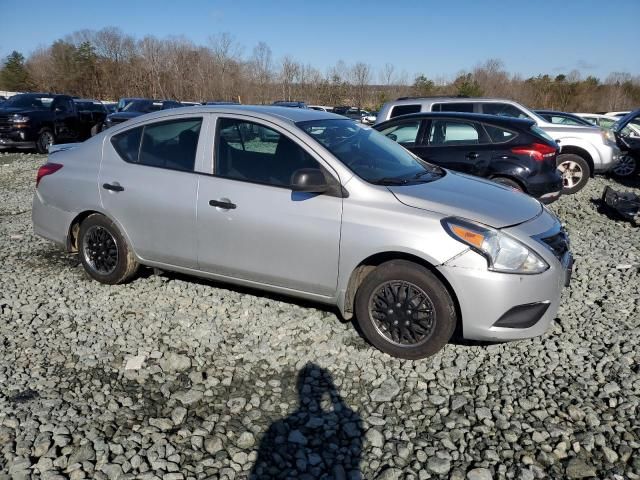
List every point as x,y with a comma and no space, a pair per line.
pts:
310,180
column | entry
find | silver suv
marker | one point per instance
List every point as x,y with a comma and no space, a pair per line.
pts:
584,150
312,205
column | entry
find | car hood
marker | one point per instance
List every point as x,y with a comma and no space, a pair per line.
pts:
22,111
472,198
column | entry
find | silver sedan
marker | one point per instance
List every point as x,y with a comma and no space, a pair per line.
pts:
312,205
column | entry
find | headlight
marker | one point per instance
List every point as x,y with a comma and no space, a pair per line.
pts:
608,136
503,252
17,118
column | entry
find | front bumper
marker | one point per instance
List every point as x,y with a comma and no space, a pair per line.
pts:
7,142
486,297
609,158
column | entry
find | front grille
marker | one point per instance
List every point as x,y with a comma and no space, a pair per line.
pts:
4,123
558,243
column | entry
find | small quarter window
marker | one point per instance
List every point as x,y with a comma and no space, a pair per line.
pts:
404,133
499,134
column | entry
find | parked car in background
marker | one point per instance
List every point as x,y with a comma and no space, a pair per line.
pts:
2,99
123,102
138,107
332,212
370,119
92,114
38,120
617,114
584,150
512,152
602,121
284,103
221,102
563,118
110,106
353,113
627,131
320,108
190,104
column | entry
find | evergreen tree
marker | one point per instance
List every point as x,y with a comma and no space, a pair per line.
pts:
14,75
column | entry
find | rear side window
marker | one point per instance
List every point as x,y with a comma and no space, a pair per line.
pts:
454,132
404,133
452,107
171,144
499,134
503,110
404,110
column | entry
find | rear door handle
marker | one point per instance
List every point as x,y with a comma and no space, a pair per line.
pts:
113,187
223,203
472,155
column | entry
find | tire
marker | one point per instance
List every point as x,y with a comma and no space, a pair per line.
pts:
507,182
626,167
45,139
432,329
575,172
96,129
104,253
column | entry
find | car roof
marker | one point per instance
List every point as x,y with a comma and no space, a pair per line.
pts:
286,114
478,117
86,100
444,98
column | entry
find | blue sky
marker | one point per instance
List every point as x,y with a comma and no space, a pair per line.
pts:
438,38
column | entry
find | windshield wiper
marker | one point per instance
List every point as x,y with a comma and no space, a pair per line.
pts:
391,181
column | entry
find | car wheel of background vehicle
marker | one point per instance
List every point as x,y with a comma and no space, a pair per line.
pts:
575,172
627,166
96,129
104,252
507,182
404,310
44,141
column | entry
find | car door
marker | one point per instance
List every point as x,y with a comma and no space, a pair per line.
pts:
460,145
252,226
148,185
64,119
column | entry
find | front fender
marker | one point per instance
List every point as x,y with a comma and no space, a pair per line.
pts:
581,143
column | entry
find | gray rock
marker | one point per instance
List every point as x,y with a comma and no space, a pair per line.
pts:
578,468
438,465
374,437
82,453
386,392
479,474
213,445
246,440
296,436
175,362
178,415
390,474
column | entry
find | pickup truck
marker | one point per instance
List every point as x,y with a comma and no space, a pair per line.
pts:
38,120
92,116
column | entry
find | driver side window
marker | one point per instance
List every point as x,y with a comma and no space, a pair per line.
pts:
251,152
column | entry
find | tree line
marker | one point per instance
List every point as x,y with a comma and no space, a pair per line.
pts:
108,64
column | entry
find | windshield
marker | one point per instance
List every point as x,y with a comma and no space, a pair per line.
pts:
89,107
139,106
369,154
39,102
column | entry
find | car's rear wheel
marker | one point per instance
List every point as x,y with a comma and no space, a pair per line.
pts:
104,252
404,310
627,166
575,172
44,141
507,182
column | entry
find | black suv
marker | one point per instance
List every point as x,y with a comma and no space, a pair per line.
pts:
37,120
510,151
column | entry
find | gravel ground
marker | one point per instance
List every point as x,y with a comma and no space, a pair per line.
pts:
173,377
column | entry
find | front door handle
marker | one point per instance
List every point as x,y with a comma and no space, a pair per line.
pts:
472,155
223,203
113,187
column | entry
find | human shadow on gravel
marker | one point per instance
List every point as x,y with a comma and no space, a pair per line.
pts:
321,439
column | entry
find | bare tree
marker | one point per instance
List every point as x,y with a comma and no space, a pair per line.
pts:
361,75
262,69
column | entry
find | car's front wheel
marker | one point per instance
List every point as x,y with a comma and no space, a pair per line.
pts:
104,252
575,172
627,166
404,310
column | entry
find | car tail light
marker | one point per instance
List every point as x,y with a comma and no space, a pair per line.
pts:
47,169
537,151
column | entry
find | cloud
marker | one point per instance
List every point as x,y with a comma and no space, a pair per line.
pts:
579,65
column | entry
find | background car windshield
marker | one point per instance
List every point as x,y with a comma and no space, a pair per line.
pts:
371,155
138,106
29,101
